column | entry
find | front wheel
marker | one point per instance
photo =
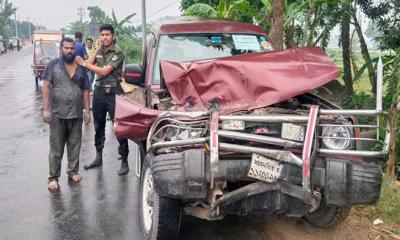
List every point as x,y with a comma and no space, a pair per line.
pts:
327,216
160,217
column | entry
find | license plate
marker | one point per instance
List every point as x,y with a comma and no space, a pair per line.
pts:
264,169
292,132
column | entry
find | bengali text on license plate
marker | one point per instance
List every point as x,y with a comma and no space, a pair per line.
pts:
264,169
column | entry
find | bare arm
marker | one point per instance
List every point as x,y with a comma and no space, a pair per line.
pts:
92,57
45,101
45,95
86,99
102,71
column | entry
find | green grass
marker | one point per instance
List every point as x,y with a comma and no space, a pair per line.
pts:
388,206
362,84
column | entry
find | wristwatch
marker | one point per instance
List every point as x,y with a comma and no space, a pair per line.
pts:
84,64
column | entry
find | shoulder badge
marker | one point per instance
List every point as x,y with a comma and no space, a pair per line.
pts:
114,58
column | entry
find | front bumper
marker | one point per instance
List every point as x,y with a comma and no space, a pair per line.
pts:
311,174
186,176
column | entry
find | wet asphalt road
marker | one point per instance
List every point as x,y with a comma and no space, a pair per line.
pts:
103,205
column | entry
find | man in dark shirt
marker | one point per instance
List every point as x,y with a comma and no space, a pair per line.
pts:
66,90
107,62
80,49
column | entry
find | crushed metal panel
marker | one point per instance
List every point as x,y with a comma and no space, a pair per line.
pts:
131,119
249,81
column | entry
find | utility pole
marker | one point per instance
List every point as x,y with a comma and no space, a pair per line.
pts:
16,24
81,14
144,26
29,27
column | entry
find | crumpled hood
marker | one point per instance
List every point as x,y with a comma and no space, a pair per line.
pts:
246,82
242,82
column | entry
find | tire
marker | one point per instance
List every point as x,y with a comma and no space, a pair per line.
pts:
165,213
327,216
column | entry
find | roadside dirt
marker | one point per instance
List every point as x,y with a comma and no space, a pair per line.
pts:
356,226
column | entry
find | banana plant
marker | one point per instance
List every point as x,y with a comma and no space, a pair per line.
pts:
225,9
119,25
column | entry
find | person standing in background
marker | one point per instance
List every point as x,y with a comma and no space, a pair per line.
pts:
89,51
80,49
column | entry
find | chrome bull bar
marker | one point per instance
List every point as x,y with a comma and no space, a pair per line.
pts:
278,141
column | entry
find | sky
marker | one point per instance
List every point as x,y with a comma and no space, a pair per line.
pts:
56,14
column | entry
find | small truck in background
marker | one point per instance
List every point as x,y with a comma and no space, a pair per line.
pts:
46,47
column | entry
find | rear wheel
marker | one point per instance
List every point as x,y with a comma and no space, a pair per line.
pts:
160,217
327,216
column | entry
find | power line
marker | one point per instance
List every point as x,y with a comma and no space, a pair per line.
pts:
167,6
159,10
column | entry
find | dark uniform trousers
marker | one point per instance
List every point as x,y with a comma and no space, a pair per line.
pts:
64,132
104,102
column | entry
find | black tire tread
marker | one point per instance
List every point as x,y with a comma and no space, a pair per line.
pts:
320,219
167,211
169,219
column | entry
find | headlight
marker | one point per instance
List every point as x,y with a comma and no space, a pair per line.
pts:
336,137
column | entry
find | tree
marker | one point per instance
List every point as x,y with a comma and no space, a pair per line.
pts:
394,90
7,9
120,30
238,10
82,27
276,21
97,15
388,23
23,29
185,4
346,45
364,47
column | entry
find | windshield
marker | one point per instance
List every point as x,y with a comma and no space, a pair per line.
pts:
46,51
192,47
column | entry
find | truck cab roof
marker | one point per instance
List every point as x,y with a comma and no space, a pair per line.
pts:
185,24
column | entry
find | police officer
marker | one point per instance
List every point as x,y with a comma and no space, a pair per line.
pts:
107,62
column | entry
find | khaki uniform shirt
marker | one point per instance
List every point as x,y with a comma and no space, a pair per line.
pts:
115,57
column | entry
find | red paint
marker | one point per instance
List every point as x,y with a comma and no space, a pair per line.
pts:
308,141
249,81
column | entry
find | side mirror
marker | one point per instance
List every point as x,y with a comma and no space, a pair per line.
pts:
134,74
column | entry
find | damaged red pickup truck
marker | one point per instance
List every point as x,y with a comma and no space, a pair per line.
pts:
228,126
